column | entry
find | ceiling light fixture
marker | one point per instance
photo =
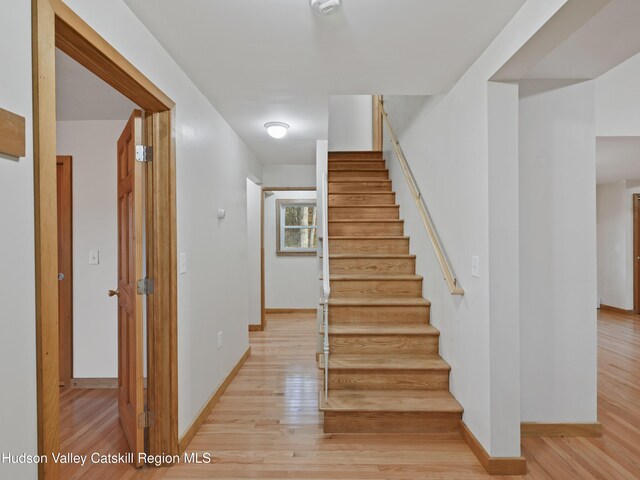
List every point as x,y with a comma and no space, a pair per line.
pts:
325,7
276,129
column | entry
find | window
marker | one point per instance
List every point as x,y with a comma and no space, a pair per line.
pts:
296,227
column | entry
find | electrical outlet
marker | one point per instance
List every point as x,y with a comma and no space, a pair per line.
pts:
219,340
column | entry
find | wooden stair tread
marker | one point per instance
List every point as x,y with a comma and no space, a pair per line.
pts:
385,277
338,153
370,255
367,237
355,180
401,361
370,220
365,206
383,329
358,170
390,401
379,301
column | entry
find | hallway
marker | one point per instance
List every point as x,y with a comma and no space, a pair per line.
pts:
267,425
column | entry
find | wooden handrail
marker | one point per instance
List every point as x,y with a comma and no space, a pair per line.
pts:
447,270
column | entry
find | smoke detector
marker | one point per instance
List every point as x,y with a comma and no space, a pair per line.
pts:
325,7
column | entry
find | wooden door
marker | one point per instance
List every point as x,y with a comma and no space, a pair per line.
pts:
130,270
65,268
636,253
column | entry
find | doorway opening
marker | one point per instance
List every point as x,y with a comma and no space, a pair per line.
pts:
101,231
288,248
56,25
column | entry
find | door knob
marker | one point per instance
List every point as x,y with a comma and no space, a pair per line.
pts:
60,276
114,292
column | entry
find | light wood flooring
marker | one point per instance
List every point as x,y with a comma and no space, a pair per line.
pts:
267,426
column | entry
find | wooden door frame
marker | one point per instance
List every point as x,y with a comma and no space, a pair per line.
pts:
376,123
263,310
68,379
55,25
636,253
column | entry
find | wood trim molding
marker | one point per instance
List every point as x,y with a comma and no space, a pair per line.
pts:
263,291
56,25
94,383
536,429
493,465
46,234
291,310
206,409
82,43
615,309
12,134
377,122
162,339
256,328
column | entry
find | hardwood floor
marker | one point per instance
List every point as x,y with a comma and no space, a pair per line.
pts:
267,426
89,423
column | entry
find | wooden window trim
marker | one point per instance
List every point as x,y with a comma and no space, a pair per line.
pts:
55,25
291,253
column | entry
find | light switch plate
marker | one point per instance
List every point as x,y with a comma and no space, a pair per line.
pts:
183,263
219,340
94,257
475,266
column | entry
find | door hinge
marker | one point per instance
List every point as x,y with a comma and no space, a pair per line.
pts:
146,419
144,153
145,286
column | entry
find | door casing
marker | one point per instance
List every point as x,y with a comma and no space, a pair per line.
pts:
54,24
636,253
263,296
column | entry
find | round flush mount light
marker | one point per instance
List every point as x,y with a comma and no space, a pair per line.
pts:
325,7
276,129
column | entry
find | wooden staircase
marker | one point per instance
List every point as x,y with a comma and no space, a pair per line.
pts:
385,373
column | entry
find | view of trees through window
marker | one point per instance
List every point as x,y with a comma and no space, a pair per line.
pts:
299,226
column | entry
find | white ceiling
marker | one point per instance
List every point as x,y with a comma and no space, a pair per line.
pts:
617,158
80,95
260,60
606,40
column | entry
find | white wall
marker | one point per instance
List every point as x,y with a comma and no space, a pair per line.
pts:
290,281
618,100
350,122
212,167
558,251
503,263
93,146
289,176
448,146
612,245
615,242
17,279
254,291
